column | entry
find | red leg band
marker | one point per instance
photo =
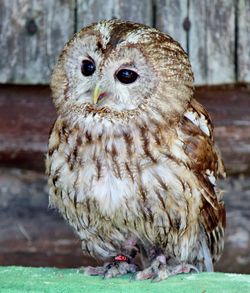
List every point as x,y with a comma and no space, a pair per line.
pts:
121,258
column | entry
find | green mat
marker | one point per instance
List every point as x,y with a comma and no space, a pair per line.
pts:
25,279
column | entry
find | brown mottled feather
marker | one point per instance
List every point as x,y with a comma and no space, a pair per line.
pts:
139,167
204,156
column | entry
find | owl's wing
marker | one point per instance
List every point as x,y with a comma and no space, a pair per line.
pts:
206,163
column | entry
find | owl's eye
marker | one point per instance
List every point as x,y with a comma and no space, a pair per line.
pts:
88,67
126,76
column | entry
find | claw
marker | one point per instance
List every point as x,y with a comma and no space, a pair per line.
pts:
114,269
159,270
111,272
183,268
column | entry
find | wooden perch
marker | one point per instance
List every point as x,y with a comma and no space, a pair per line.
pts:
27,114
22,279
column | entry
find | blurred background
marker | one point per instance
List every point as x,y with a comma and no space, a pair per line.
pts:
215,34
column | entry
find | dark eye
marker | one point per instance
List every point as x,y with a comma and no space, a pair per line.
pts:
87,68
126,76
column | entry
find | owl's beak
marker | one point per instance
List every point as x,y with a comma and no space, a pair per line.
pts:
98,95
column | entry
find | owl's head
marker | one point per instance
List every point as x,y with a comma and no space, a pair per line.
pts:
122,69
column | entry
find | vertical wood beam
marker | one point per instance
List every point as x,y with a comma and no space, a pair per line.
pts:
32,33
243,41
170,18
89,11
212,41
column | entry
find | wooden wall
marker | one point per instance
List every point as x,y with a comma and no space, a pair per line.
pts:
215,33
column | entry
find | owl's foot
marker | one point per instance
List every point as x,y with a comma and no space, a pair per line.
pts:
120,266
159,270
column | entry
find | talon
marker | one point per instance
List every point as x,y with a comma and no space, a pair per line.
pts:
161,270
120,266
183,268
144,275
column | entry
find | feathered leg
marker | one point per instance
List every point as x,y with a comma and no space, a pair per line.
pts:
160,268
121,265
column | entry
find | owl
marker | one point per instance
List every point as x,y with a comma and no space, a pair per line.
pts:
131,162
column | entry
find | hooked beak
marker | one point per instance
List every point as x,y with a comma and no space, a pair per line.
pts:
98,95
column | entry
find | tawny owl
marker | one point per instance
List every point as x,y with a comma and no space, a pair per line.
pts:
132,164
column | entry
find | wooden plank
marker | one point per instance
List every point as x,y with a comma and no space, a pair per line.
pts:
27,114
30,232
229,109
89,11
212,41
170,18
32,33
243,50
198,40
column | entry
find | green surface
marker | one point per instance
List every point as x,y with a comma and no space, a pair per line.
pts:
24,279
